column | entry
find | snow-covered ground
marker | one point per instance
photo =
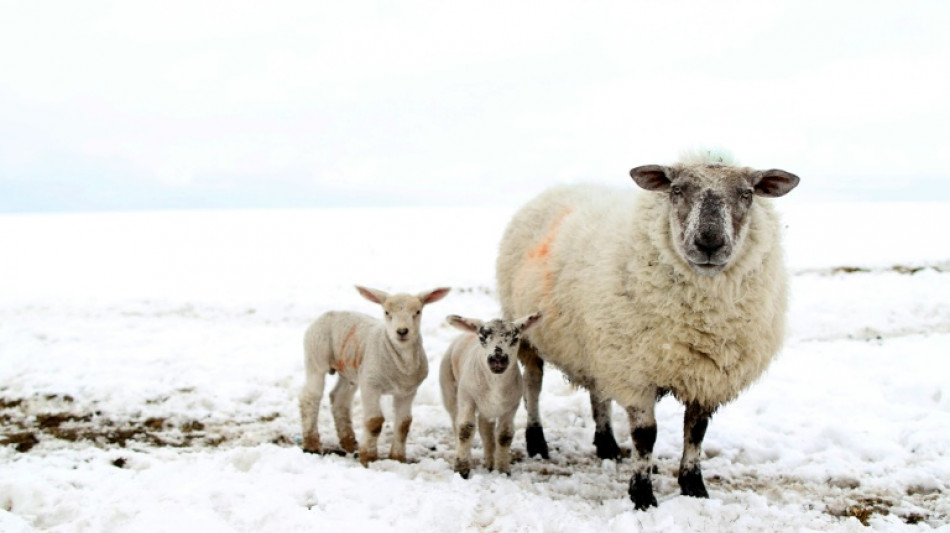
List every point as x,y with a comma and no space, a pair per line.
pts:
149,366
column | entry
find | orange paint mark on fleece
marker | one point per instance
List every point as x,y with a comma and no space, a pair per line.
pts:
341,364
543,249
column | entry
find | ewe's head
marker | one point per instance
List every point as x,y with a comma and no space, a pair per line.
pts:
402,312
499,338
710,201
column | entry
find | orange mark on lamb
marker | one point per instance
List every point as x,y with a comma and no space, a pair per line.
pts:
344,361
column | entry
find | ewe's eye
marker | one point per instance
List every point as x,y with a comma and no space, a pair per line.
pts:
746,194
387,313
676,190
418,313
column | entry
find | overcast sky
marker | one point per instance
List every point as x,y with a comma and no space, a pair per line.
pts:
191,104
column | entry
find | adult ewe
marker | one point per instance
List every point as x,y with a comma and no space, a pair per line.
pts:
680,290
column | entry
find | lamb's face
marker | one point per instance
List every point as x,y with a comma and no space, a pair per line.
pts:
402,313
499,340
710,206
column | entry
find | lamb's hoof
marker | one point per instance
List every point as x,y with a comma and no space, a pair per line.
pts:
464,468
641,492
367,457
349,444
401,457
691,483
312,444
606,445
535,442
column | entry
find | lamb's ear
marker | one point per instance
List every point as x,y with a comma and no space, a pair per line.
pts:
529,321
374,295
464,324
433,296
774,183
653,177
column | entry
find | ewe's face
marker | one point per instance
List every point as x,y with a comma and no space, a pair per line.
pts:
710,206
500,340
402,313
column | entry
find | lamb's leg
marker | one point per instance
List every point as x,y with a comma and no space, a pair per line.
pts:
504,433
690,477
341,403
604,439
310,398
402,412
486,428
372,424
466,428
533,374
643,428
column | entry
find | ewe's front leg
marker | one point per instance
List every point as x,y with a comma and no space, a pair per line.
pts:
643,428
533,375
402,410
465,422
604,440
690,478
504,433
372,424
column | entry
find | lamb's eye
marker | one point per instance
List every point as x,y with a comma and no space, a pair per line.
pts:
387,313
418,313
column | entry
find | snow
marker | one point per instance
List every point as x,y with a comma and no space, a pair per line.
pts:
150,362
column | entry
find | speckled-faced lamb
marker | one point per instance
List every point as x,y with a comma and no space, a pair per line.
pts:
479,377
678,290
378,357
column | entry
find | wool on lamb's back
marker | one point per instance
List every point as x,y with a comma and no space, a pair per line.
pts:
624,311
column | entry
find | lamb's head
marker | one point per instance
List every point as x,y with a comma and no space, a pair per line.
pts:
709,206
498,338
402,312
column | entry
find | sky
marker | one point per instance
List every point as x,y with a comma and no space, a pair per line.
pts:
108,106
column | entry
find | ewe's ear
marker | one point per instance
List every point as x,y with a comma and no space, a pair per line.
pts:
374,295
433,295
529,321
464,324
652,177
774,183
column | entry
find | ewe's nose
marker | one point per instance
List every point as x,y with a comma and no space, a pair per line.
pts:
709,243
402,332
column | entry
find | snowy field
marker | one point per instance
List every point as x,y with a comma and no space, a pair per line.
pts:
150,362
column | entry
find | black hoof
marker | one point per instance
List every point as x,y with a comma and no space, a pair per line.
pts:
691,483
641,492
535,442
606,445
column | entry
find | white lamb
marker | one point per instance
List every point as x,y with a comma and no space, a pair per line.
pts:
479,377
378,357
679,290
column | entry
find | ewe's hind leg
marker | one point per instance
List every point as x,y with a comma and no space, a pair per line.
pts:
402,412
341,403
604,439
486,429
643,429
372,424
533,374
690,477
310,398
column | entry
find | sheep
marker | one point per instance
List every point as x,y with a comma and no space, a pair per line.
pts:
678,290
378,357
478,376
